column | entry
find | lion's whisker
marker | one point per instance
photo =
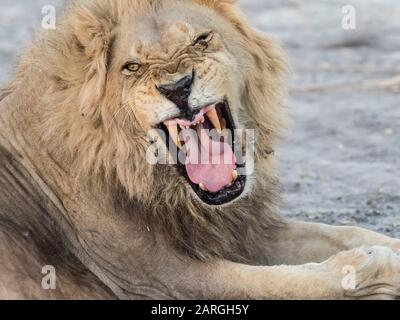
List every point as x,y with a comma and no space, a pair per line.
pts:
114,116
129,112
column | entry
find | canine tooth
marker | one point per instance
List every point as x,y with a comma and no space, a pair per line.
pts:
203,187
213,116
223,124
235,175
173,132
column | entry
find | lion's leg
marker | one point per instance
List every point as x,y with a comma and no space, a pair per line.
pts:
302,242
327,280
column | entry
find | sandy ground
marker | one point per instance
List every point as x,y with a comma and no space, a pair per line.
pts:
340,157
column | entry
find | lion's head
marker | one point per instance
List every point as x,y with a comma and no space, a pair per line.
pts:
123,68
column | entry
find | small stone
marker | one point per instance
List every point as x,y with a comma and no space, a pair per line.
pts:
388,131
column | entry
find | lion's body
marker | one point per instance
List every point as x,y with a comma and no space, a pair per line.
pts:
34,227
77,193
31,237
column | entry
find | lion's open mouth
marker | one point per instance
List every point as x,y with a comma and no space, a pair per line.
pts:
207,146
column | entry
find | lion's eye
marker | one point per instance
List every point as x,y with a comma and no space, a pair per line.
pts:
131,68
204,39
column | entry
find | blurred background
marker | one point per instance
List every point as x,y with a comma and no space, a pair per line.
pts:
341,155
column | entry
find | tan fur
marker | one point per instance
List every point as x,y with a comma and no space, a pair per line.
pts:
81,136
83,106
88,120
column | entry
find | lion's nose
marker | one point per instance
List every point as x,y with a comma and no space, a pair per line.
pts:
179,92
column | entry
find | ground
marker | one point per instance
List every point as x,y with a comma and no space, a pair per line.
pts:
340,157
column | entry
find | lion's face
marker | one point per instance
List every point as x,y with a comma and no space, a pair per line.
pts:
194,71
177,74
157,61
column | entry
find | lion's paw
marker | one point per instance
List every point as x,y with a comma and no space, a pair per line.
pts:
368,273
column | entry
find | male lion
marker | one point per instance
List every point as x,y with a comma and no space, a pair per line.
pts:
78,193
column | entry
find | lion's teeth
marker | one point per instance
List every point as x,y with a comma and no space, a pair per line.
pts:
203,187
213,116
223,124
173,132
235,175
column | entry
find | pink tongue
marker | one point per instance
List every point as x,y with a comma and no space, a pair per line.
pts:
208,162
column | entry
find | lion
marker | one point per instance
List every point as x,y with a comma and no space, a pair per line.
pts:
79,196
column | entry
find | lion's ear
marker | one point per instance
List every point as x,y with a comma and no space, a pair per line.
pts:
91,22
93,31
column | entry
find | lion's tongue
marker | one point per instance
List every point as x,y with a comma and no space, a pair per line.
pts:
209,162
